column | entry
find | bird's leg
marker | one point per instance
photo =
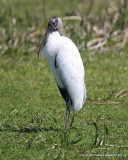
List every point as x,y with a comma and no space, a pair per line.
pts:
72,120
67,118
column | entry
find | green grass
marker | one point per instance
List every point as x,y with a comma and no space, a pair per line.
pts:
32,112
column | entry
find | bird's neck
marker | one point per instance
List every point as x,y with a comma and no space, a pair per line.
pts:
51,45
50,35
54,34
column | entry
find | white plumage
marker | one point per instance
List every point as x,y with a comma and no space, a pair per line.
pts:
66,65
69,70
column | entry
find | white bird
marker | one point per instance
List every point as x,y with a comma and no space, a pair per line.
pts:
66,65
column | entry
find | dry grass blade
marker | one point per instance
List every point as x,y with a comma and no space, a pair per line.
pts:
32,49
123,147
34,34
72,18
108,102
120,45
16,42
120,92
96,43
124,95
98,31
15,110
4,50
102,140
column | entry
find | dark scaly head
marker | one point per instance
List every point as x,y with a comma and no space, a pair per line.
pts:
55,24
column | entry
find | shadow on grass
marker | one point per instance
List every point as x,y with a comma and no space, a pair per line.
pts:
29,130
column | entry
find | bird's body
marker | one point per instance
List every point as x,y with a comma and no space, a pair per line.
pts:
66,65
67,68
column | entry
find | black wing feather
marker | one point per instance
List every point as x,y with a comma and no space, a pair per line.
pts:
64,94
55,62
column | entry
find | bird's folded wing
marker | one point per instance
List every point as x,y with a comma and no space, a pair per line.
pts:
70,68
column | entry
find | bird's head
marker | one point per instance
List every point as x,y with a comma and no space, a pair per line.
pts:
55,24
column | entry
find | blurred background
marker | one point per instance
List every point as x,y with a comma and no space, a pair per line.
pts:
94,25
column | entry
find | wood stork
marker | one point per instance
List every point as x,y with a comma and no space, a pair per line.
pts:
66,65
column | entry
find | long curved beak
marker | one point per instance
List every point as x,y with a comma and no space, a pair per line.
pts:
43,42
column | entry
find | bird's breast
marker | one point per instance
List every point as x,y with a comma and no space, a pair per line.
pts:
51,47
50,51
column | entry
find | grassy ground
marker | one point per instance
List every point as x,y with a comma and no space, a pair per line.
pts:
32,112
